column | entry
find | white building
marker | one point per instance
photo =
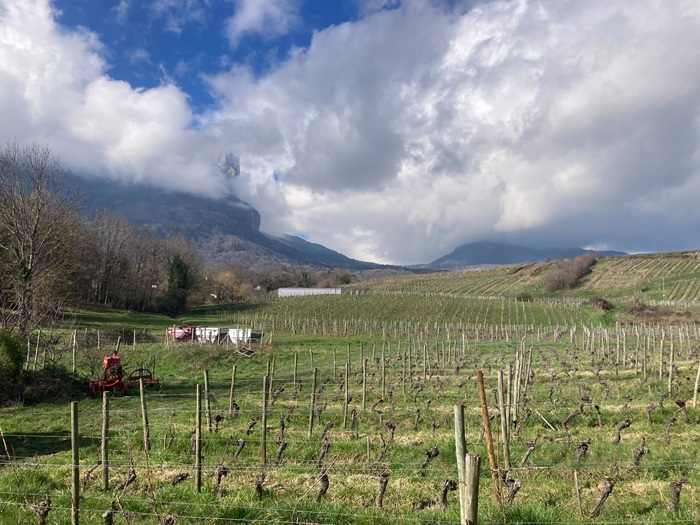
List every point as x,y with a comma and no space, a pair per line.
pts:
296,292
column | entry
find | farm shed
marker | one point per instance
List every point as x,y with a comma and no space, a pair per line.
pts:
296,292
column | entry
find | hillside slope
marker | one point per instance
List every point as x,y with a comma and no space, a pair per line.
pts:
225,231
673,276
490,253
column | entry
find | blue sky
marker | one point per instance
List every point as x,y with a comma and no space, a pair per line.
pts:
151,42
388,130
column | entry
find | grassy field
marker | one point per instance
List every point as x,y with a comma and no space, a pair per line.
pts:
412,349
423,382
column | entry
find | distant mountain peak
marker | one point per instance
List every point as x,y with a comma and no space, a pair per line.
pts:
230,165
484,253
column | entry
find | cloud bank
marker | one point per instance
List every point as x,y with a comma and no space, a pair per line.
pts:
401,134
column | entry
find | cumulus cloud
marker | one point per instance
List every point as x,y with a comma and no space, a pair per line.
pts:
54,90
555,122
177,13
414,128
268,19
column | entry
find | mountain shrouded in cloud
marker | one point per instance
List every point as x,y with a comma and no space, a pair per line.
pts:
391,132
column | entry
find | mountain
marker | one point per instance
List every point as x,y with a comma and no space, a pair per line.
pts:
493,253
225,231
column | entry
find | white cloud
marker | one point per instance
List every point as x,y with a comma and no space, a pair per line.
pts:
266,18
553,120
404,133
178,13
122,10
367,7
54,90
139,54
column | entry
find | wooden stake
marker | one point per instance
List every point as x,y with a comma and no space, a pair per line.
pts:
364,384
263,439
504,423
347,394
489,438
105,441
461,451
75,448
75,351
207,403
473,468
578,494
313,400
144,417
198,442
231,396
695,390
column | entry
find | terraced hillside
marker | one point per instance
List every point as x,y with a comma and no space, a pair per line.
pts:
656,288
664,276
673,276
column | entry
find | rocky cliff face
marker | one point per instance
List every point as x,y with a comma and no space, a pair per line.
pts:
225,231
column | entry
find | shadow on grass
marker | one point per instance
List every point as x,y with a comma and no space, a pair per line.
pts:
41,444
203,314
105,317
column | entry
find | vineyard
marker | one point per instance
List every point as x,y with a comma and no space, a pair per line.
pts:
402,315
346,412
278,446
658,277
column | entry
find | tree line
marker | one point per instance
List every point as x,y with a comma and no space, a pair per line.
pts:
52,254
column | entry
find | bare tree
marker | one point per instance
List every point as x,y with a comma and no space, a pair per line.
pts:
226,286
39,231
110,234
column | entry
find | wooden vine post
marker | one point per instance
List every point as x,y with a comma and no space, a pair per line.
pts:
263,439
384,374
347,394
105,441
231,395
472,464
198,442
207,405
505,438
75,448
144,418
313,400
296,366
468,466
364,384
75,351
695,389
489,438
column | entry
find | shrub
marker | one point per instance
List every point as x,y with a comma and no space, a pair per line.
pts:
568,273
11,351
601,304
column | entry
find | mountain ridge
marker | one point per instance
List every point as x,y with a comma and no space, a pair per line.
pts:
494,253
227,231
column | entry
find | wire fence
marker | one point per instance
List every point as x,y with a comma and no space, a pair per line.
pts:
352,464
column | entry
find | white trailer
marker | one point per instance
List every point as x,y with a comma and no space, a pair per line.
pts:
220,335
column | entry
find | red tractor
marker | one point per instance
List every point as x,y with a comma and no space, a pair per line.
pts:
114,379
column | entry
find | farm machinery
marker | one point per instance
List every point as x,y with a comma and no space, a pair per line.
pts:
116,380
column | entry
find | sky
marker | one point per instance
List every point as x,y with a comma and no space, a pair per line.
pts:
388,130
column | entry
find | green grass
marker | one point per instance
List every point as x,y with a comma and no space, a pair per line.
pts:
94,317
39,437
462,322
